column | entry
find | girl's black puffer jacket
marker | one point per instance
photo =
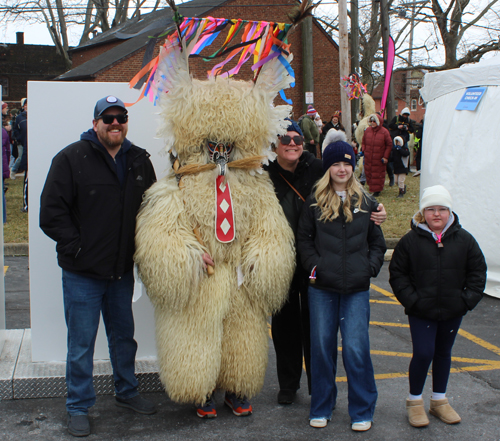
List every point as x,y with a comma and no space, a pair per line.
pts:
438,283
346,254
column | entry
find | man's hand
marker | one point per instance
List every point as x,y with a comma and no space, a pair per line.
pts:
311,142
379,216
384,161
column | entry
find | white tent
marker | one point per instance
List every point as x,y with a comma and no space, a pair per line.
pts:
461,151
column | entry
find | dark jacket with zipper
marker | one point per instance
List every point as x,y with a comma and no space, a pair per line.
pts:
91,214
308,171
346,254
438,283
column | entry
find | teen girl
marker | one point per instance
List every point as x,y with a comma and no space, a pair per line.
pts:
342,249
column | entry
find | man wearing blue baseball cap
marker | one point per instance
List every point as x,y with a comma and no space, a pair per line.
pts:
93,191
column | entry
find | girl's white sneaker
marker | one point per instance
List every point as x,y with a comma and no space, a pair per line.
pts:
361,426
318,422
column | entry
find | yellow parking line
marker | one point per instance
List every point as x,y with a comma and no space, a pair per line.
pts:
396,325
5,268
384,292
479,341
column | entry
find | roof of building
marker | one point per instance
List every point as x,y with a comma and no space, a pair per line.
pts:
136,34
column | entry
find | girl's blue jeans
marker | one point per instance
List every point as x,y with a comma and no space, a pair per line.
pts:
329,312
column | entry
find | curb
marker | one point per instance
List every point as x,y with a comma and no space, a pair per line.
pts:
16,249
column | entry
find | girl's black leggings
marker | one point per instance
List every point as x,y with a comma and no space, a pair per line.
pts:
432,342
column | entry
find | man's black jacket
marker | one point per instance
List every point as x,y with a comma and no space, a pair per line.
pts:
89,214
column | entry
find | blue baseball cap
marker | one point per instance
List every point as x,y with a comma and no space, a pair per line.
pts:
105,103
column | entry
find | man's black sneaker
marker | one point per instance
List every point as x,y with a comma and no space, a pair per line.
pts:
78,425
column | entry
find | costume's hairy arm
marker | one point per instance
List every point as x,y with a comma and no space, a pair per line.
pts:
268,255
168,256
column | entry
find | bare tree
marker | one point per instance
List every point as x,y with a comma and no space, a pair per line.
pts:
463,32
60,16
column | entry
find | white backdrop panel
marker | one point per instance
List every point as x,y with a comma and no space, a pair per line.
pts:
460,152
58,113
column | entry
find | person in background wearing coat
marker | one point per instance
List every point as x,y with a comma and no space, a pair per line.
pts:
438,273
334,123
311,132
400,158
376,147
20,133
341,248
5,162
293,173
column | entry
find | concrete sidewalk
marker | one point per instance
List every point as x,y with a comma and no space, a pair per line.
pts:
474,389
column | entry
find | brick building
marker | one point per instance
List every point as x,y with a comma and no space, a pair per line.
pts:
118,54
20,63
414,102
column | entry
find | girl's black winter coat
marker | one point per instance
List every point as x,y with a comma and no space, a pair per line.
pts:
346,255
438,283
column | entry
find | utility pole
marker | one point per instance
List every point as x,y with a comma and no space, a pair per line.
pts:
307,60
344,67
384,21
354,51
410,58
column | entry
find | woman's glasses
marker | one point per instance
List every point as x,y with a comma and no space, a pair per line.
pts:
286,140
121,118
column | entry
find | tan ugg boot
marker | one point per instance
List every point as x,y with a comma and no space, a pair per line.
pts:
443,410
416,413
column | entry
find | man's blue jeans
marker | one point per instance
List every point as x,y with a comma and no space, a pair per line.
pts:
351,312
84,300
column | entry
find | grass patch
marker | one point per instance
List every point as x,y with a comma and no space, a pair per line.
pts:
16,228
399,211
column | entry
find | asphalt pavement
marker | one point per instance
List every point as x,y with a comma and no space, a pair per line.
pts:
474,389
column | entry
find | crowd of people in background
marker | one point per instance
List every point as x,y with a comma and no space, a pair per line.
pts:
15,149
383,155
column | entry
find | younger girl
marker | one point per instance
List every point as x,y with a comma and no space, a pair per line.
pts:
438,273
400,157
341,248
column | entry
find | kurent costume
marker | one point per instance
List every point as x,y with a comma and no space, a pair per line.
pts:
211,330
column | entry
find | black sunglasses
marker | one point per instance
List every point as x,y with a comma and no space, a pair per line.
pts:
122,118
286,140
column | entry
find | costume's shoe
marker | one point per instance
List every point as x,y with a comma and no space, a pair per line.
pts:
401,193
376,194
137,404
416,413
78,425
207,410
240,406
361,426
391,181
318,423
286,396
417,173
443,410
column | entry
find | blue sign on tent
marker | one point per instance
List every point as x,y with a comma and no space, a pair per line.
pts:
471,98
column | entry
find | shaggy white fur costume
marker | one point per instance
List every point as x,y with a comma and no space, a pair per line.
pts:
368,109
212,332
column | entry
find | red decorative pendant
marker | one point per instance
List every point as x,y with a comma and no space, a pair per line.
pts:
224,216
